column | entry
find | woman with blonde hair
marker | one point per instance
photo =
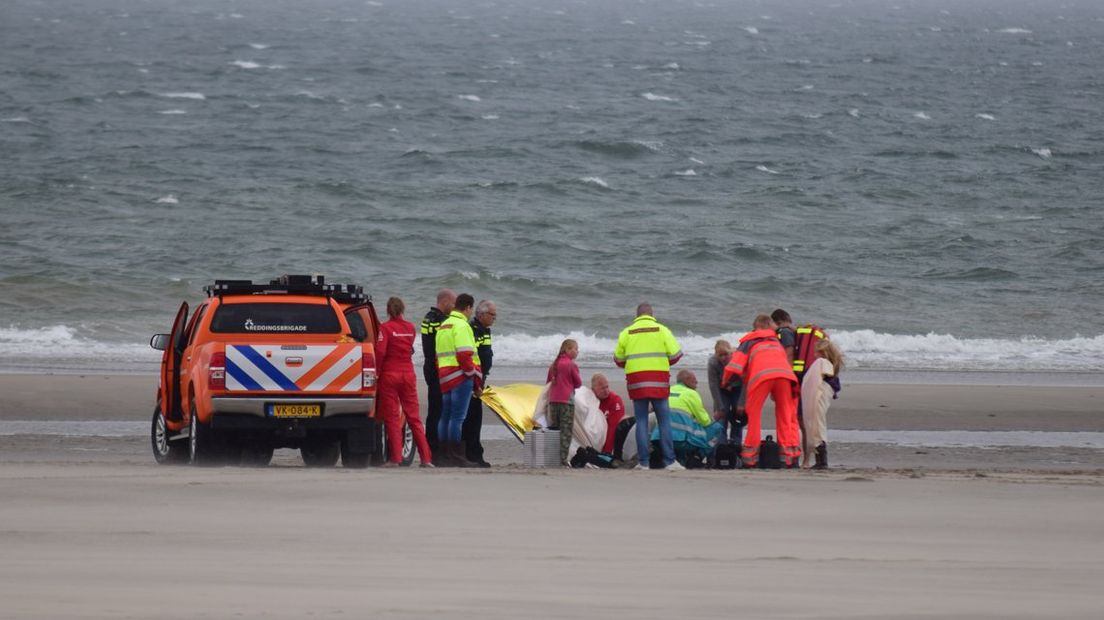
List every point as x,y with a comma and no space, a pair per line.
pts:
563,375
816,397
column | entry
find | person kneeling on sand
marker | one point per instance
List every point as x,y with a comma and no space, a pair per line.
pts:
816,395
563,375
693,430
611,405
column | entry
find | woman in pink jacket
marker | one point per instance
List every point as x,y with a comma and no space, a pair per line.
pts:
564,379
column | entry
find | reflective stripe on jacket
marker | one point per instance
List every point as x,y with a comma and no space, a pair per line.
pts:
760,357
455,346
690,423
646,349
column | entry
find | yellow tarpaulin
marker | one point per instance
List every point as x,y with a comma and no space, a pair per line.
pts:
514,405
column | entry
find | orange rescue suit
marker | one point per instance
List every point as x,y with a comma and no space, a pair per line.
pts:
762,365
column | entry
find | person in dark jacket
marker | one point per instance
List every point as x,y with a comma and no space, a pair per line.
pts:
485,314
724,400
446,299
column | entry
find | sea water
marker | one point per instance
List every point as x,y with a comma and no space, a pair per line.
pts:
920,177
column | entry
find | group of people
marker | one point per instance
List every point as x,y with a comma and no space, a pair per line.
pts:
797,368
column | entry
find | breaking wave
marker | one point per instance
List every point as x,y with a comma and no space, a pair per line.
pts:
65,347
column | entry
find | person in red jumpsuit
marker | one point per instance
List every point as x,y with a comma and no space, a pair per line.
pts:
398,384
611,405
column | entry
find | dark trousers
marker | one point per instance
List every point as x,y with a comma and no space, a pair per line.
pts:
433,405
473,426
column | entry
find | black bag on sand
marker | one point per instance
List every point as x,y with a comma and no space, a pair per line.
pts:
589,456
726,456
770,455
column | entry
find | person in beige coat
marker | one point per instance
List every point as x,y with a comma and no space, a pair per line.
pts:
816,397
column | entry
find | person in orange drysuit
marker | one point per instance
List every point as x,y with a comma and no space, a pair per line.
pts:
398,384
761,364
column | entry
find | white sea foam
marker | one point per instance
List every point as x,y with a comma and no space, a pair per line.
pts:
922,116
196,96
1043,152
671,65
812,115
804,87
689,172
375,105
259,46
62,346
853,112
167,200
762,168
490,117
469,97
15,119
628,22
987,117
246,64
1014,31
751,30
696,160
173,111
655,97
865,349
595,181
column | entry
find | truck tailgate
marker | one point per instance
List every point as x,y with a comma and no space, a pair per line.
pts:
322,369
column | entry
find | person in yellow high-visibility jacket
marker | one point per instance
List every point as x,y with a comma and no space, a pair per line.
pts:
646,349
459,374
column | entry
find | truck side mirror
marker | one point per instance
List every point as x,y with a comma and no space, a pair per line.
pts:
160,341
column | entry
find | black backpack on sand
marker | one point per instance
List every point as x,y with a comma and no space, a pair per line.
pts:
770,455
725,456
590,456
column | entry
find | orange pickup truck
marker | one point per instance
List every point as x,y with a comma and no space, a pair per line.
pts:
259,366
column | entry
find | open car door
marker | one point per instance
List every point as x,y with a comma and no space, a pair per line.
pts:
363,321
170,367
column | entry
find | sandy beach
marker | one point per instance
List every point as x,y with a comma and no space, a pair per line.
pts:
92,528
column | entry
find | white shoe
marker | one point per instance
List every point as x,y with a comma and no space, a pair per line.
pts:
676,466
641,466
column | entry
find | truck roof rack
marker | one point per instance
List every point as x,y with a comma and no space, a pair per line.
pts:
290,285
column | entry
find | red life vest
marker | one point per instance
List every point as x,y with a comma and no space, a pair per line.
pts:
806,339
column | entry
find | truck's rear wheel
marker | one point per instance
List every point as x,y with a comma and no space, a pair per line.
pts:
408,449
203,444
320,453
166,451
383,448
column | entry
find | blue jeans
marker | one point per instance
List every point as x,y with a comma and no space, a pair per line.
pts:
663,417
454,408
